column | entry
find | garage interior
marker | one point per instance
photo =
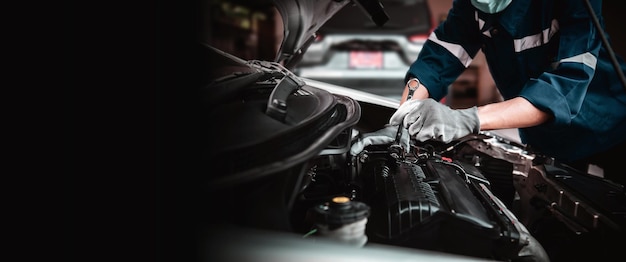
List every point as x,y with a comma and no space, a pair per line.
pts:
253,30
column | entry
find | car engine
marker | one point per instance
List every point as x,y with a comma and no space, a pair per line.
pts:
481,196
291,170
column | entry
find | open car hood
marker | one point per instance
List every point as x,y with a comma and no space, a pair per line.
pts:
302,19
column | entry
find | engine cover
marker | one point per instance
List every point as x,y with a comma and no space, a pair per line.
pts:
431,202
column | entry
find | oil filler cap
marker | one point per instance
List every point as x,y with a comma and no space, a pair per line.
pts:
341,211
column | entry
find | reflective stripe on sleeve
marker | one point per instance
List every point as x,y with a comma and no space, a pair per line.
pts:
454,49
536,40
586,58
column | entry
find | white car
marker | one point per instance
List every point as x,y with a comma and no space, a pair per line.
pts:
351,50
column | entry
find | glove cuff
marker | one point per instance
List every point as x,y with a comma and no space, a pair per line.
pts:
473,122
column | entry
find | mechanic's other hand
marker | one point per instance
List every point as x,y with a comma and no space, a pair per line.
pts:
428,119
386,135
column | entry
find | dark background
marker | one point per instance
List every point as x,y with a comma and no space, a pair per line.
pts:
615,22
130,128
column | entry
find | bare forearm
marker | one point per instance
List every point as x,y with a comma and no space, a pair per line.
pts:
420,93
513,113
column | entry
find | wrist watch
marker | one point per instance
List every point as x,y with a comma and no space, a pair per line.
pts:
412,84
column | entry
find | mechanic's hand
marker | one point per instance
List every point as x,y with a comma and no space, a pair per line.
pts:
428,119
387,135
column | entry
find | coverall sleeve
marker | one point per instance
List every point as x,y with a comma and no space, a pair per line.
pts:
561,91
448,50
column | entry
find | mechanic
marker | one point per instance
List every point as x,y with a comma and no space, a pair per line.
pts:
548,61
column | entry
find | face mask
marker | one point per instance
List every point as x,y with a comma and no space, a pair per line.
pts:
491,6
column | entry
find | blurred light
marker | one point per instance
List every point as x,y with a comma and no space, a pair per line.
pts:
318,38
418,38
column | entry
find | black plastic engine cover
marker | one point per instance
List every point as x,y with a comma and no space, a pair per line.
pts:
263,126
263,119
436,204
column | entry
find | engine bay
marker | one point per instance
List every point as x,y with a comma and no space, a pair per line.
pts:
482,196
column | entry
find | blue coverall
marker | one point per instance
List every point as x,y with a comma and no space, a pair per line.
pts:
546,51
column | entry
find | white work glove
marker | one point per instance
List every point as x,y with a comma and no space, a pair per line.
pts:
428,119
387,135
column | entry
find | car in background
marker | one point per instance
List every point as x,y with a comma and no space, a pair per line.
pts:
351,50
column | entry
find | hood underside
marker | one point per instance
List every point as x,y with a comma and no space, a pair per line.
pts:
302,19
